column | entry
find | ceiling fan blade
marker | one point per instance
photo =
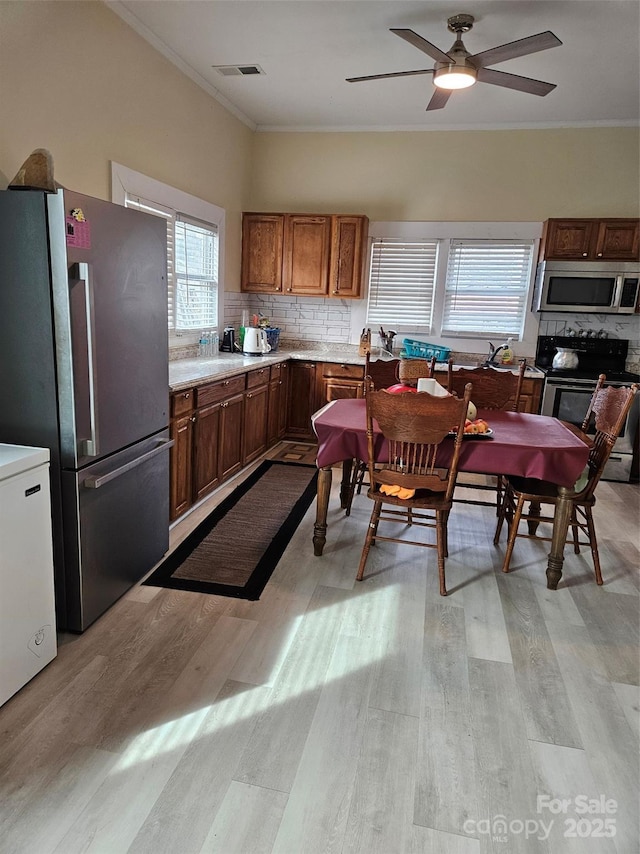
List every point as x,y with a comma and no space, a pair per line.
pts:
393,74
439,99
514,81
521,47
422,44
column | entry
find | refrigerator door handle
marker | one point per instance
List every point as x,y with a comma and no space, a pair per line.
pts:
101,480
80,271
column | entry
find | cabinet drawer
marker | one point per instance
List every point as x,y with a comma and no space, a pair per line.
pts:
259,377
218,391
276,371
182,402
339,371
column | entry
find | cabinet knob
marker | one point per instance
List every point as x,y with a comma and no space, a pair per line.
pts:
599,254
193,419
289,289
584,254
249,395
336,291
224,404
226,382
186,395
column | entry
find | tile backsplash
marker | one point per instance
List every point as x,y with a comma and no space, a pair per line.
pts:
310,319
615,325
302,318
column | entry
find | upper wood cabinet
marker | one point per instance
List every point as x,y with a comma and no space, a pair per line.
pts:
591,240
262,246
307,242
304,254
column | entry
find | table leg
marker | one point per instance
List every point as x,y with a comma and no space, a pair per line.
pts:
561,520
345,485
322,505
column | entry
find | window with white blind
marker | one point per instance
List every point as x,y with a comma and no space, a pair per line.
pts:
195,249
192,267
401,283
486,287
196,274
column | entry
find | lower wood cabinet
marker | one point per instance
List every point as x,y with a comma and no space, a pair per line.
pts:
302,400
336,381
256,403
230,447
531,395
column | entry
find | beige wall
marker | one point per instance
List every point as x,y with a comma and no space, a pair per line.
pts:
517,175
76,80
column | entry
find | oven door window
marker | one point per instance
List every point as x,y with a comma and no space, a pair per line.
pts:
571,404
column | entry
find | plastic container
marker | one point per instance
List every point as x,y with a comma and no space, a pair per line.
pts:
508,356
273,337
421,350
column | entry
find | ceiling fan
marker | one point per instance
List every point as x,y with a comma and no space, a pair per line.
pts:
458,69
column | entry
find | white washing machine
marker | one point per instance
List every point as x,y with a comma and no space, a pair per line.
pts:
27,610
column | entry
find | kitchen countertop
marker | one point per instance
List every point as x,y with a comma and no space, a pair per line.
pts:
185,373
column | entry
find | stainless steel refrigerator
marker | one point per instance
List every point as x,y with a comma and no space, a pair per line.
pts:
84,372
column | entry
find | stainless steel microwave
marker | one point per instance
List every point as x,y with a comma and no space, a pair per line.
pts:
582,286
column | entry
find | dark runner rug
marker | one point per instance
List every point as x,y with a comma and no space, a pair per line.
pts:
236,548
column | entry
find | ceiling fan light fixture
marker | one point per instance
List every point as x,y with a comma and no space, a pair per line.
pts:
454,77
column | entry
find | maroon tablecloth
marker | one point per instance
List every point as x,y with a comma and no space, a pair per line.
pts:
521,444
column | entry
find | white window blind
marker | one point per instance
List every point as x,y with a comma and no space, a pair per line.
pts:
401,283
486,287
196,273
192,266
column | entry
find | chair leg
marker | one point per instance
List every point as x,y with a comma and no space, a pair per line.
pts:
352,487
371,532
575,529
441,537
505,503
499,494
513,533
594,545
360,479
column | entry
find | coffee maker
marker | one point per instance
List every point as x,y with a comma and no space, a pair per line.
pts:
228,340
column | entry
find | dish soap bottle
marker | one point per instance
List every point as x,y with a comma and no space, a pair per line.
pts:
508,357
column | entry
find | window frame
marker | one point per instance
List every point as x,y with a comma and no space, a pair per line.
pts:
127,181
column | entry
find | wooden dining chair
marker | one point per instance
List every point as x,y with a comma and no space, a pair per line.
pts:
609,408
414,425
383,373
493,388
412,370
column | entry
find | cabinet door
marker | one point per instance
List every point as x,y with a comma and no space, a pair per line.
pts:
231,433
205,450
273,412
180,465
255,423
262,252
569,239
348,250
302,400
306,255
284,399
618,240
530,395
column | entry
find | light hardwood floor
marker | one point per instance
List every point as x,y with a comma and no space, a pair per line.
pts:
335,716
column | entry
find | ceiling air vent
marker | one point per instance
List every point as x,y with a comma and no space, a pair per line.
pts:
237,70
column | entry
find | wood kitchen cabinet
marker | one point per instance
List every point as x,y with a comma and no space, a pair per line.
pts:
307,241
206,426
181,431
262,252
611,239
276,413
304,254
338,381
256,401
302,400
530,395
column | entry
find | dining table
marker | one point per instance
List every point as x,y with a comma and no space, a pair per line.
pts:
518,444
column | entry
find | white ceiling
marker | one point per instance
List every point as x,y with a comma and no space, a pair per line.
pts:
308,47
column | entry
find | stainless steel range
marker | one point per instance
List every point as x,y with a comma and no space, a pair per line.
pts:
567,391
